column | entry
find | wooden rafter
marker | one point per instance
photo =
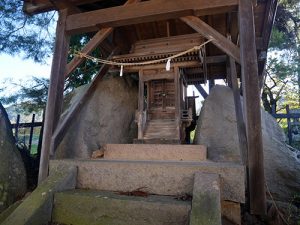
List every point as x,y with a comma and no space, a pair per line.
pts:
88,48
91,45
217,39
39,6
146,11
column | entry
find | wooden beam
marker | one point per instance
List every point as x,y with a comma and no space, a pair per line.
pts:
92,44
141,105
146,11
238,112
55,92
177,101
270,14
40,6
252,108
201,90
88,48
210,33
65,123
66,4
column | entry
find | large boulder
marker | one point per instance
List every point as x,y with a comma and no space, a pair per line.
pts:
13,183
217,129
106,117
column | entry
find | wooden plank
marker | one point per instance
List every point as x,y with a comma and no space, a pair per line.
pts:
238,112
146,11
270,14
252,108
55,92
91,45
39,6
64,124
210,33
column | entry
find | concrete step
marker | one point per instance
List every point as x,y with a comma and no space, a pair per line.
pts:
155,152
82,207
158,177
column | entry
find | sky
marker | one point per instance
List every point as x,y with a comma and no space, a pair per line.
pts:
17,68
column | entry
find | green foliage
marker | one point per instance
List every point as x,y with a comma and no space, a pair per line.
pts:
282,81
86,71
30,36
33,37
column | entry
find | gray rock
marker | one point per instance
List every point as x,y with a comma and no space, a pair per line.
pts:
13,183
107,117
217,129
216,126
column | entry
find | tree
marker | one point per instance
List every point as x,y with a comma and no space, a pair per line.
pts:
30,97
33,37
30,36
283,66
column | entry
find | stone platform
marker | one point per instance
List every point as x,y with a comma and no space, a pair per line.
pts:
163,152
159,177
89,207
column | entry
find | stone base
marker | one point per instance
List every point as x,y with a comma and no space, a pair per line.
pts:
82,207
155,152
206,205
159,177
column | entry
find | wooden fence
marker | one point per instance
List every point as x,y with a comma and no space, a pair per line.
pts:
32,125
291,118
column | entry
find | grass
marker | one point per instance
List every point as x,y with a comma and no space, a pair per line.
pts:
23,138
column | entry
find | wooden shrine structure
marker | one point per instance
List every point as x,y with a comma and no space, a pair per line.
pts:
133,30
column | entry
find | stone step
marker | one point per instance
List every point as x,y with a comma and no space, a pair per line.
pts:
86,207
170,141
155,152
158,177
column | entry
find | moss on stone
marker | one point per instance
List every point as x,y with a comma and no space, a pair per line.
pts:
37,208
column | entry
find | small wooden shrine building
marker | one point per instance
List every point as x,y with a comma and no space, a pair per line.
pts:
233,35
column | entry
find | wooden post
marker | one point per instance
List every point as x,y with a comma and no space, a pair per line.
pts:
31,131
17,128
228,73
252,109
211,84
177,100
287,107
55,92
238,112
140,105
39,148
